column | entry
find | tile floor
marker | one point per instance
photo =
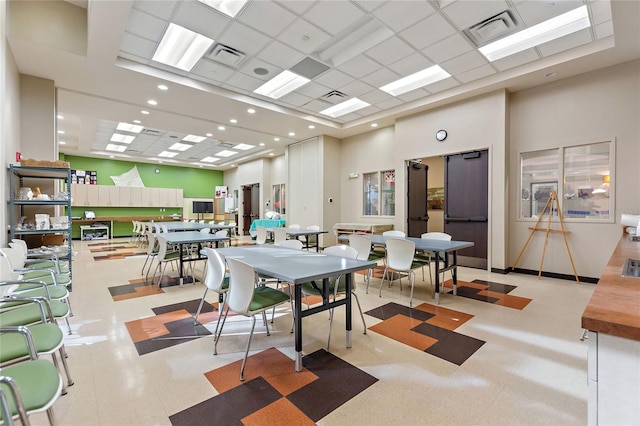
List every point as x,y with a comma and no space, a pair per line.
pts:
465,362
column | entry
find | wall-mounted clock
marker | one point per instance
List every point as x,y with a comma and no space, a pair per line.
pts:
441,135
157,171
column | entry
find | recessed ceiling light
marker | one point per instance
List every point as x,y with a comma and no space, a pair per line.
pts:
152,102
281,84
144,112
551,29
62,143
117,148
226,153
551,74
311,126
374,124
291,134
221,127
233,121
345,107
209,159
228,7
137,121
163,87
251,111
193,138
180,146
181,48
244,146
117,137
415,80
60,117
126,127
200,165
276,139
112,156
61,132
261,143
209,135
167,154
271,154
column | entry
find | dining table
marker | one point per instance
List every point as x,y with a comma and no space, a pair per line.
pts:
194,226
297,267
296,233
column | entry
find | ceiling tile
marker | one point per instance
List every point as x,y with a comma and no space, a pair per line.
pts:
267,17
313,89
389,103
604,30
448,48
476,73
244,39
370,5
428,31
360,66
467,13
280,55
333,16
145,25
297,6
334,79
515,60
375,97
303,36
600,11
565,43
201,18
441,85
244,82
534,12
399,15
356,88
137,45
249,66
381,77
464,62
295,99
412,95
212,71
411,64
389,51
317,105
162,9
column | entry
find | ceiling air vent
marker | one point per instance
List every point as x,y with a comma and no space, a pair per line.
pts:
151,132
491,29
224,144
334,97
226,55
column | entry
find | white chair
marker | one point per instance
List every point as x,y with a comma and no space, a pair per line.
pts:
233,232
216,280
294,244
337,285
362,244
261,235
152,253
246,299
294,226
165,256
279,235
394,233
426,257
222,233
312,239
399,258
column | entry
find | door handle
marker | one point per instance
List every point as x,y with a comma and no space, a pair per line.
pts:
425,218
466,219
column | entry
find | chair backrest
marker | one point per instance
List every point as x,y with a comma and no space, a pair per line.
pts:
222,233
293,244
7,270
341,250
20,245
242,283
164,228
212,222
294,226
158,228
205,231
313,228
261,236
394,233
152,247
162,247
279,235
400,253
201,221
436,236
216,268
362,244
221,222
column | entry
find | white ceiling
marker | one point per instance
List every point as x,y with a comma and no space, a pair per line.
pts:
116,77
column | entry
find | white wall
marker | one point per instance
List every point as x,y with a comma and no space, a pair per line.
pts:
331,188
591,107
38,118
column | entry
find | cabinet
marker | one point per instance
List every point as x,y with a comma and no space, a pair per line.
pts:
124,196
28,217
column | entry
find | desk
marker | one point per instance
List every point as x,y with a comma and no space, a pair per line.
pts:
190,237
94,232
295,233
265,223
297,267
437,247
193,226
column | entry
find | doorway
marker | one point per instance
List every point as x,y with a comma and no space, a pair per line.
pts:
417,215
250,205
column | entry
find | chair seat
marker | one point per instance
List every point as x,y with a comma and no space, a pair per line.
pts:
39,383
64,268
61,279
30,313
47,338
266,297
56,292
315,288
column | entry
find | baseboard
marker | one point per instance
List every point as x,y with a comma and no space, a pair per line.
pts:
555,275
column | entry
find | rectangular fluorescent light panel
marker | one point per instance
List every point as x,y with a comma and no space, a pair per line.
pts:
131,128
209,159
280,85
181,48
117,137
167,154
560,26
228,7
226,153
193,138
243,146
180,146
416,80
117,148
345,107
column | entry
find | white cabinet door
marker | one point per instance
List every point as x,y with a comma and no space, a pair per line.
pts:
124,199
163,197
179,198
93,195
114,196
154,197
79,195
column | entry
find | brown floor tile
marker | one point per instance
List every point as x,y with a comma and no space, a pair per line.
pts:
151,327
399,328
281,412
444,318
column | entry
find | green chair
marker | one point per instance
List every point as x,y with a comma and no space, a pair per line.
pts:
246,299
16,311
41,258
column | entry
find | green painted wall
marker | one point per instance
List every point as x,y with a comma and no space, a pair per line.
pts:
195,182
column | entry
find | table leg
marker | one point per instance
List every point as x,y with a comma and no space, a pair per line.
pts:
181,279
298,327
437,288
349,280
454,273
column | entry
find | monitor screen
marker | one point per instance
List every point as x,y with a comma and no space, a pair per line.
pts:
203,206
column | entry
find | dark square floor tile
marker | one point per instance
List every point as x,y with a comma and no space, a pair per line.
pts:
180,331
392,309
472,293
497,287
190,306
451,346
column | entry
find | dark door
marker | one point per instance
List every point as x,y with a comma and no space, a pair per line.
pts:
417,216
247,209
466,201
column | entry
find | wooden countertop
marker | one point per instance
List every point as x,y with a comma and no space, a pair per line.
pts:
614,307
127,219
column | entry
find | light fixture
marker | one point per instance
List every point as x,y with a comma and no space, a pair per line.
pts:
137,121
180,146
251,111
281,84
374,124
209,159
221,127
144,112
60,117
228,7
292,134
62,143
168,154
131,128
117,137
271,154
365,34
61,132
194,138
163,87
551,29
181,48
276,139
233,121
226,153
345,107
243,146
415,80
261,143
117,148
152,102
209,135
311,126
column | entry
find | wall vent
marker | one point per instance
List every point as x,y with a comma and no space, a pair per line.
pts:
491,29
334,97
226,55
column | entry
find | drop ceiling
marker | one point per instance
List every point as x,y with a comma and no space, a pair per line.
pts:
116,78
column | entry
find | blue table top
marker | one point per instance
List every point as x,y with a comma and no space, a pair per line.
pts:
267,223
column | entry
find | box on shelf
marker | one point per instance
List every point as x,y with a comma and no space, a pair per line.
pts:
45,163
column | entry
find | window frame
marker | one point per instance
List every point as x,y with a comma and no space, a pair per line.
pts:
279,202
380,205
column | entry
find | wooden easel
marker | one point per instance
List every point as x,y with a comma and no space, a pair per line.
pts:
552,203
